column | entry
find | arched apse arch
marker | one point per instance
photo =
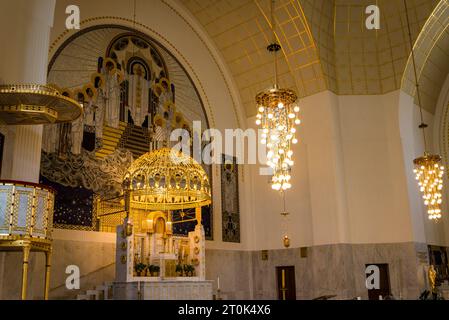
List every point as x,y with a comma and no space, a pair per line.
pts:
432,65
167,22
432,58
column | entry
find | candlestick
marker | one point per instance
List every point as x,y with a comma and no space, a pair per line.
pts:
283,285
218,283
283,279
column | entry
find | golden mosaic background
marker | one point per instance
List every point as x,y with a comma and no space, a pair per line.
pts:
325,44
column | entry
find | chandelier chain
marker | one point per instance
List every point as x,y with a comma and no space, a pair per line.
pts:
422,124
274,47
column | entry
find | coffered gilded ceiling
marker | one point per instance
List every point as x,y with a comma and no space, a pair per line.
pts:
241,31
325,44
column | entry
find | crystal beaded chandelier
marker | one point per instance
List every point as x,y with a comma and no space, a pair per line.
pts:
429,174
278,117
428,169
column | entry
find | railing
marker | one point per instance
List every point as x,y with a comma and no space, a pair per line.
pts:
110,213
26,209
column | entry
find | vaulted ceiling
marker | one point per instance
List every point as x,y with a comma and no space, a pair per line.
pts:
432,58
325,44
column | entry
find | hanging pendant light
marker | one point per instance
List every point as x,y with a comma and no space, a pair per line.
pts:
428,169
278,117
284,214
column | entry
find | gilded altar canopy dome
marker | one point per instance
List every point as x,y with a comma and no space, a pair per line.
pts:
167,179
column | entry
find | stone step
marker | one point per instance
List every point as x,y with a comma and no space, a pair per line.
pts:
106,290
135,142
138,150
111,135
110,142
111,130
102,154
108,147
97,294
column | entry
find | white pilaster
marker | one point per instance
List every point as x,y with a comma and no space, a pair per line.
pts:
27,24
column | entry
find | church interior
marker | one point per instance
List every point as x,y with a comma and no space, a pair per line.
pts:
340,111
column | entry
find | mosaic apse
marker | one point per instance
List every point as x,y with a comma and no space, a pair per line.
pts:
134,92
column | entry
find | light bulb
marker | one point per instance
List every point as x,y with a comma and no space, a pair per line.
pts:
261,109
296,109
295,141
276,186
280,105
297,121
258,122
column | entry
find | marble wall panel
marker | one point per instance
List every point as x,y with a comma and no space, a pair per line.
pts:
337,269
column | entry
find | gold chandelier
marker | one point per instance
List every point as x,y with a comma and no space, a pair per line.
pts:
428,169
429,174
166,179
278,117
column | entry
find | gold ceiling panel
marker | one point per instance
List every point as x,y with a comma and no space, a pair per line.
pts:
241,31
373,61
325,44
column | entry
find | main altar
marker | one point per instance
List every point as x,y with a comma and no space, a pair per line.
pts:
162,188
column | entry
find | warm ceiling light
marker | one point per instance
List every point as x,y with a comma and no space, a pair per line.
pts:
278,116
429,174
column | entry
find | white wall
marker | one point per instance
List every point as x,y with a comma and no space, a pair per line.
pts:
353,178
375,178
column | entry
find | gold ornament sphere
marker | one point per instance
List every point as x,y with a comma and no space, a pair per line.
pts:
286,241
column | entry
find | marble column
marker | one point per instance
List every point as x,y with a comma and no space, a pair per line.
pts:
26,23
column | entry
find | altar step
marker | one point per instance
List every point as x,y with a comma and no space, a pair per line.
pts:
102,292
136,139
111,140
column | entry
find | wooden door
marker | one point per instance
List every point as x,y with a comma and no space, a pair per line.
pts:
286,285
2,143
384,282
